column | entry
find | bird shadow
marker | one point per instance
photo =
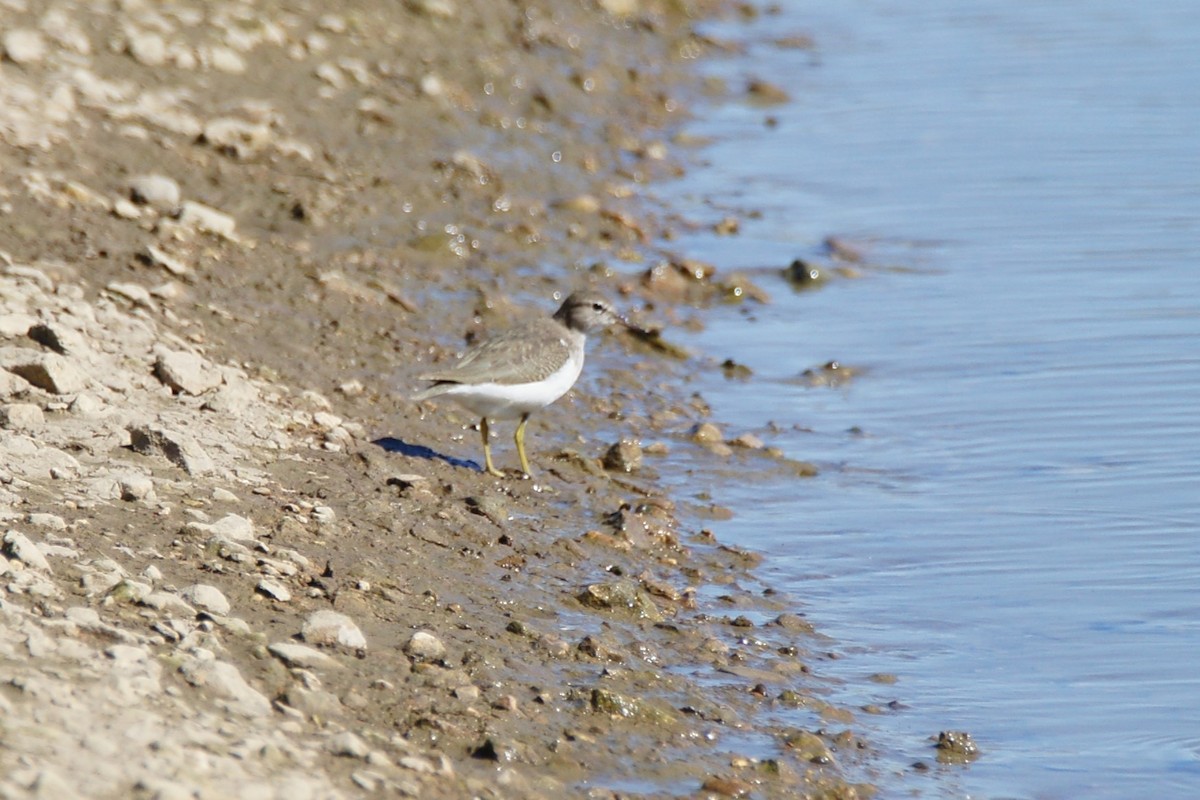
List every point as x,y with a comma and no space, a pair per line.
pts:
391,444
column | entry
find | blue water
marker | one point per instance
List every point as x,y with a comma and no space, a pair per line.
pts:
1014,530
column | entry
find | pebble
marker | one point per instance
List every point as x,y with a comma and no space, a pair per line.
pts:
168,603
186,373
424,646
323,515
148,49
22,417
210,598
223,679
274,589
348,744
155,190
160,258
178,448
135,487
86,405
302,656
50,371
24,46
208,219
332,628
623,456
17,545
43,520
706,433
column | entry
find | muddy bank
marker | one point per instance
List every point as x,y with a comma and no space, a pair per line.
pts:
237,560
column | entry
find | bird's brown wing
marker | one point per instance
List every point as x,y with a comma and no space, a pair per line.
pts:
521,355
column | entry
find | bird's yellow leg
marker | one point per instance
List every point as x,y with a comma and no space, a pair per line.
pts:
487,449
520,439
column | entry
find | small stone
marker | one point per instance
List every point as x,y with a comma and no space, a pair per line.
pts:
22,417
61,340
155,190
51,372
349,745
186,373
86,405
353,388
208,220
323,515
125,209
24,46
207,597
17,545
133,292
302,656
748,441
52,521
136,486
169,603
221,495
130,591
956,747
224,59
230,526
332,628
468,693
623,456
180,449
148,49
424,646
160,258
274,589
706,433
727,787
224,680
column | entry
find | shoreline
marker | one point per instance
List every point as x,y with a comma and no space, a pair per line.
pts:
220,580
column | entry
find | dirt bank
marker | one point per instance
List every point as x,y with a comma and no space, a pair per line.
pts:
237,561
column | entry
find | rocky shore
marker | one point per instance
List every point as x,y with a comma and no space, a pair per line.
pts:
237,560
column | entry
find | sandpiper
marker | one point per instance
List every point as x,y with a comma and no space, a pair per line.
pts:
524,369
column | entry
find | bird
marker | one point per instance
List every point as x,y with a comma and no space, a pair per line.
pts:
523,369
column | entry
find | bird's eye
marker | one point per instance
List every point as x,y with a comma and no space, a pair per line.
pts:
597,306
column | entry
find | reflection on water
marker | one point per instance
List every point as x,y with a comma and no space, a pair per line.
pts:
1008,513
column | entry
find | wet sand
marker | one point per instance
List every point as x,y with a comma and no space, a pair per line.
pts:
239,562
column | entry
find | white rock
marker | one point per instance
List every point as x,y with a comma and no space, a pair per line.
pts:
221,495
86,405
348,744
424,646
161,258
203,670
274,589
186,372
24,46
49,371
134,292
330,627
148,48
17,545
230,526
302,656
206,597
207,219
324,515
25,417
224,59
169,603
178,448
52,521
155,190
135,486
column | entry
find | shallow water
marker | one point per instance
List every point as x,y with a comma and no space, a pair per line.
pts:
1008,511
